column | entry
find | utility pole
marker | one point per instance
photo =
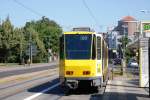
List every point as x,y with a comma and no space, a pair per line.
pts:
30,49
21,50
124,36
123,44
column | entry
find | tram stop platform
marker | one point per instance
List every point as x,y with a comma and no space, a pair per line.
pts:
123,88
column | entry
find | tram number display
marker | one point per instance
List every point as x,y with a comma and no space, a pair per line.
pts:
83,38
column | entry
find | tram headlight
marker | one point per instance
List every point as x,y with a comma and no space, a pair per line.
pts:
86,72
69,72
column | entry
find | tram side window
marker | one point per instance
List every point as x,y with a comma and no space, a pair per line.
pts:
61,47
98,48
94,48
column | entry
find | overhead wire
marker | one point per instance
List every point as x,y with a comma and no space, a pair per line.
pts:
41,15
91,13
34,11
28,8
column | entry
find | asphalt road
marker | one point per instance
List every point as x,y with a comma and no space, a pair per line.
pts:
52,91
27,70
46,88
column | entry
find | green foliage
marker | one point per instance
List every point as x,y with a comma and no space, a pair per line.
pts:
124,41
45,33
128,52
8,41
14,42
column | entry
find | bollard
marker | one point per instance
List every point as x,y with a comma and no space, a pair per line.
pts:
112,74
123,65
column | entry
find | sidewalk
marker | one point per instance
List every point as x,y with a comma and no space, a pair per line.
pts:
123,88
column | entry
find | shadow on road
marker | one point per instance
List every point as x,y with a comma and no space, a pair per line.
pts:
124,96
43,86
96,97
60,91
83,91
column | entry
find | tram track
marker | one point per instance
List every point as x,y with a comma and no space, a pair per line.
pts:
12,89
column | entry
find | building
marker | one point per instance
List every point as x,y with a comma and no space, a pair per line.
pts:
112,37
128,25
112,42
139,33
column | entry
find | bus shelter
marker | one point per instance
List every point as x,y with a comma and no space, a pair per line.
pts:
142,47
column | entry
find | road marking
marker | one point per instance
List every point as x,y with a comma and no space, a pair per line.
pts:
41,92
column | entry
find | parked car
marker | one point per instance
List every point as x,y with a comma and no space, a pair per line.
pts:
117,61
132,63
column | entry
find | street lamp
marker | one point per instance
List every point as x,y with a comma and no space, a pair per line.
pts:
123,42
145,11
30,49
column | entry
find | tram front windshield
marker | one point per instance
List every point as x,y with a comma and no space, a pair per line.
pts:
78,46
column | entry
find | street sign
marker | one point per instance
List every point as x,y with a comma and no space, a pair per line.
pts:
33,51
114,51
146,26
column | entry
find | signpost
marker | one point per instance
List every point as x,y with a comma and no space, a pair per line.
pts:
145,67
33,50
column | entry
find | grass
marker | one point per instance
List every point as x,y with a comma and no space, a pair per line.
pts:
14,64
3,81
27,76
9,64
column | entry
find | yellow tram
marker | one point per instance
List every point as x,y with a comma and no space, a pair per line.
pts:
83,59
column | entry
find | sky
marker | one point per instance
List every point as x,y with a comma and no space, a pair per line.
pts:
97,14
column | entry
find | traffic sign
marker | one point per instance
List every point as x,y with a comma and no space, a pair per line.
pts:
33,51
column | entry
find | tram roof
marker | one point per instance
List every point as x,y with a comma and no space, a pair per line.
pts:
79,32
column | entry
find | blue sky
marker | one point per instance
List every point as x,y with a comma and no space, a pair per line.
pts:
73,13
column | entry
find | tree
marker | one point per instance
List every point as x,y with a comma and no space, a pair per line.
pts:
49,32
128,53
45,33
6,39
124,41
14,42
21,44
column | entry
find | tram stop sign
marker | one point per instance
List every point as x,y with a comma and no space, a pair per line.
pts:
146,28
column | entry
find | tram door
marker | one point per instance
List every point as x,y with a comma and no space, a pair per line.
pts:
99,63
